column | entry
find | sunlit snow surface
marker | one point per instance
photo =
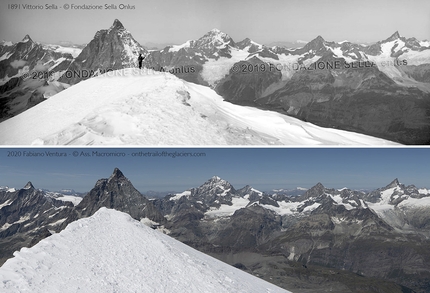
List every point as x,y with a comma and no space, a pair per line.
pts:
111,252
132,107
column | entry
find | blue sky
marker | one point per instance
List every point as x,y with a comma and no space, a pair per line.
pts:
262,168
176,21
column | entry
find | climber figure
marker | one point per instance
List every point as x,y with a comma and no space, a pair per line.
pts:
140,59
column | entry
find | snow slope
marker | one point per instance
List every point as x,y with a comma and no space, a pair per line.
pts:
111,252
132,107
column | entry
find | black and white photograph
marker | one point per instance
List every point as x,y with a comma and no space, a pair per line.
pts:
215,73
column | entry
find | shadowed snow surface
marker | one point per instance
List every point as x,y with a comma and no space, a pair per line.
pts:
111,252
132,107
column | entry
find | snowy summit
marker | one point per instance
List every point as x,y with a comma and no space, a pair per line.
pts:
132,107
111,252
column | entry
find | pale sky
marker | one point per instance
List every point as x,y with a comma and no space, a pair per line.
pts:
176,21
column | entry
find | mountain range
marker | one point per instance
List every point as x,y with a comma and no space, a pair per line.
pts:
382,89
338,239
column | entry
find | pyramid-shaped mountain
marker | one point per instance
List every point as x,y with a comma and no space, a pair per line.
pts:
110,49
117,192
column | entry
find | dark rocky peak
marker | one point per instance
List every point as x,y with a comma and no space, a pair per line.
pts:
318,39
315,191
117,174
250,193
117,25
393,183
118,193
29,185
245,190
413,43
27,39
318,187
315,47
244,43
253,47
393,37
315,44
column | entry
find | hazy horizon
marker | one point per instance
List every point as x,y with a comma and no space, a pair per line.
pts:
175,22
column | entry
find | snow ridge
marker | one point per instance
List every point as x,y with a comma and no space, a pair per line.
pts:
145,107
111,252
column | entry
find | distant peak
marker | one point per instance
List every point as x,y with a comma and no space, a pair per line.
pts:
116,174
26,39
117,25
29,185
393,37
319,185
217,33
215,178
393,183
319,39
316,43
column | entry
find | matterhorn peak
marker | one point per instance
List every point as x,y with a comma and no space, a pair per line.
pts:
26,39
117,25
116,174
29,185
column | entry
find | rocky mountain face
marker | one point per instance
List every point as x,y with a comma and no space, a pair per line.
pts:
249,82
369,90
346,240
27,215
111,49
27,75
352,241
117,192
363,100
382,90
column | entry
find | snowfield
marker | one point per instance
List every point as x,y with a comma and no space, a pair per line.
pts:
111,252
132,107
